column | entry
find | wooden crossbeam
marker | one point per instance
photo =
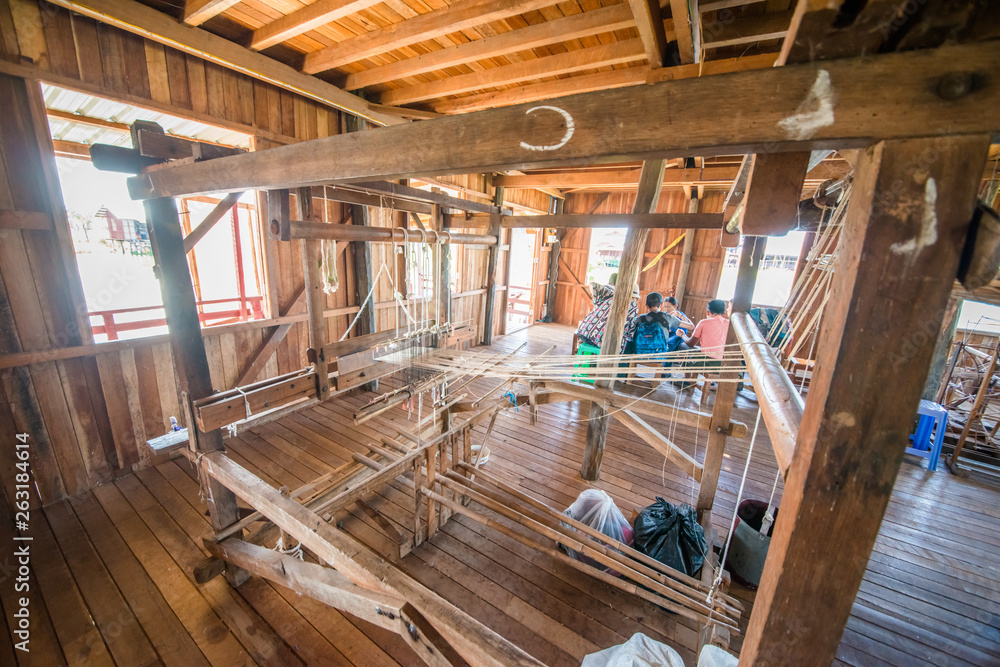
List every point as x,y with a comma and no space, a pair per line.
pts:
585,24
305,19
633,220
433,24
256,365
660,443
649,25
616,124
197,12
206,225
617,177
603,55
680,10
151,24
760,28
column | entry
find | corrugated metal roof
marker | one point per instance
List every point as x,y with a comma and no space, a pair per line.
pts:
100,108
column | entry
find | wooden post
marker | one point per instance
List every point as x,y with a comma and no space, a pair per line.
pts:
939,362
442,291
647,196
553,275
725,395
189,348
315,299
906,224
362,254
974,413
687,253
491,271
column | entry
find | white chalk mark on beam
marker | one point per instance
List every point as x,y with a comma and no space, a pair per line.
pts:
815,112
570,128
928,224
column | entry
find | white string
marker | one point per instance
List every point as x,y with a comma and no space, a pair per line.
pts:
739,498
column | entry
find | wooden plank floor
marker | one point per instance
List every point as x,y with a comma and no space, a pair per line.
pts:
112,575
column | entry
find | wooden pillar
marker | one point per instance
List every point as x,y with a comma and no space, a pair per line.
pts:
491,270
442,281
725,395
312,259
647,196
553,275
949,327
687,253
188,348
905,227
362,254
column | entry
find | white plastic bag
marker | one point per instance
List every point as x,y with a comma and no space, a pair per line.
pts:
597,509
639,651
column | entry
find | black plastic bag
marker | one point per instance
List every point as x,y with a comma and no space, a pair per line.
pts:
671,535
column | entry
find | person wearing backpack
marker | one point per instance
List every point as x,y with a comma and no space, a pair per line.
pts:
654,328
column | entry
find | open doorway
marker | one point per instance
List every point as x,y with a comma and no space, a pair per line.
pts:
606,247
522,283
776,274
109,231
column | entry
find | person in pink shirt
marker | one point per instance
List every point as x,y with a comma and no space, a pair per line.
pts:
710,333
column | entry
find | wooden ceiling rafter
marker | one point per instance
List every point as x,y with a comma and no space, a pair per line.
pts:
604,55
305,19
576,26
649,23
433,24
147,22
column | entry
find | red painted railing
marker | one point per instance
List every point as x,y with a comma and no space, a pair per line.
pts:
248,308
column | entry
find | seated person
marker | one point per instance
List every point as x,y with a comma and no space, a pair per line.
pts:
674,342
710,333
654,328
591,329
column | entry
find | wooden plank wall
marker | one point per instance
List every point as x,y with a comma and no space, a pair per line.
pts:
706,264
90,416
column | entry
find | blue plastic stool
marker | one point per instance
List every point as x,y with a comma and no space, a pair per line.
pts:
933,418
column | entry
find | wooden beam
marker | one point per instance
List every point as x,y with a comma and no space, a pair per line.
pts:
206,225
854,431
358,197
748,30
477,643
725,395
774,188
577,26
188,348
38,220
428,196
433,24
645,406
87,120
657,441
649,25
616,125
680,11
316,581
780,404
646,198
312,259
273,340
602,55
305,19
492,262
297,229
147,22
364,280
619,78
605,220
73,150
197,12
618,177
687,252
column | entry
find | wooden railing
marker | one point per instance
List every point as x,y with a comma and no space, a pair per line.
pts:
248,308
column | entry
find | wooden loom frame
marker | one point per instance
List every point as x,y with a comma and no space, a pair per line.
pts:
882,165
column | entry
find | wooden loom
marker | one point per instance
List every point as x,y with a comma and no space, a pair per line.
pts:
850,424
435,465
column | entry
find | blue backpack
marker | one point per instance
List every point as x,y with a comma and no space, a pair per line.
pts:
649,338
